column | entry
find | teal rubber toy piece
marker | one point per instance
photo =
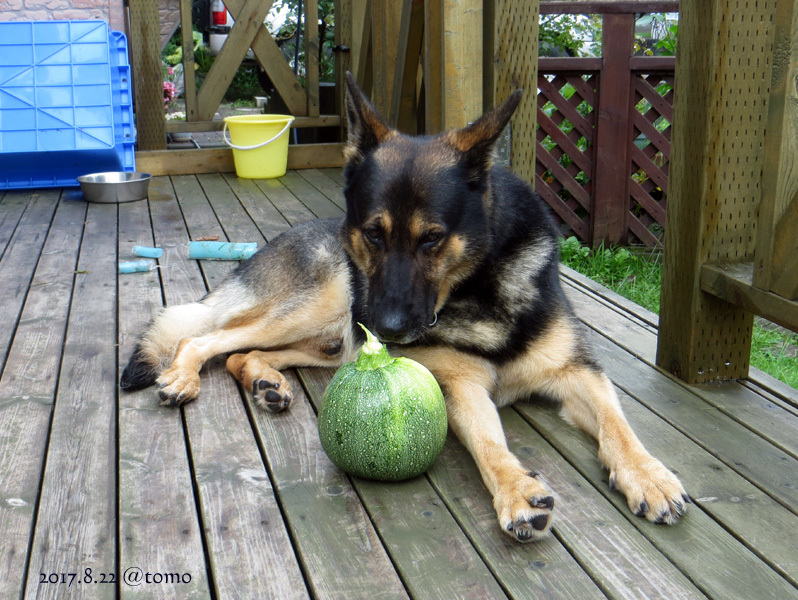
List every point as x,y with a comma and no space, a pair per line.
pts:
147,252
222,250
135,266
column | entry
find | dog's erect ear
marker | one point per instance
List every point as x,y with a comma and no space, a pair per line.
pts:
366,127
476,141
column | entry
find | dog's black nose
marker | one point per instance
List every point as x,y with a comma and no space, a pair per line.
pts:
392,327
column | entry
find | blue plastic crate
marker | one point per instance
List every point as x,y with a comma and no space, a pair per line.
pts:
66,106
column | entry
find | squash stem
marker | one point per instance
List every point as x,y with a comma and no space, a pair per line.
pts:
373,354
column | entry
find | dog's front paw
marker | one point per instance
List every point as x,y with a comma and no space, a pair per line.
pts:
177,386
651,490
272,395
525,508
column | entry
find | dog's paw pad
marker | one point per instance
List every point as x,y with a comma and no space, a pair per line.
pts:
178,386
525,509
651,490
269,395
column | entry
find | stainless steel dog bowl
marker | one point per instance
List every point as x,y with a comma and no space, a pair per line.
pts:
114,187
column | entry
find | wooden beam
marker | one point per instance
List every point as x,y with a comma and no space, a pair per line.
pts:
189,79
777,228
312,43
510,62
734,284
386,16
298,123
145,49
607,7
248,23
403,99
433,66
462,62
220,160
720,112
613,131
272,60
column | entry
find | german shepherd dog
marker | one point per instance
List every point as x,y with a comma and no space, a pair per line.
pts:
451,261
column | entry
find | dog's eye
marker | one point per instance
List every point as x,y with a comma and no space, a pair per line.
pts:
373,235
431,239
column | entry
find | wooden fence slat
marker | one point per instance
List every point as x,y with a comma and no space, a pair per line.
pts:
145,62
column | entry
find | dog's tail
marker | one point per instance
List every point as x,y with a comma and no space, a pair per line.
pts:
158,345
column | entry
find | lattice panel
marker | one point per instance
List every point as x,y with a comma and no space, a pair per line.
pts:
650,155
564,148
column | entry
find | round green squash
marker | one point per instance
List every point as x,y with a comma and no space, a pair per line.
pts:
381,417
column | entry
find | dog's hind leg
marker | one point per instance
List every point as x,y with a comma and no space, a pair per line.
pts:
259,371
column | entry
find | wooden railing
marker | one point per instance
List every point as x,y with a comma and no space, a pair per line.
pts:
603,139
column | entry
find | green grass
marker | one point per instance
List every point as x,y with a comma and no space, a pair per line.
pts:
638,277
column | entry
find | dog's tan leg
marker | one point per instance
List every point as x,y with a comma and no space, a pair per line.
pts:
180,383
259,371
589,401
523,504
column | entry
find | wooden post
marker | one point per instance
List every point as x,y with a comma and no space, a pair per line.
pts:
433,66
613,133
145,48
511,62
189,81
312,44
462,62
720,112
386,17
776,264
403,101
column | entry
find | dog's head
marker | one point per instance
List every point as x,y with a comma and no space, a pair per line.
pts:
418,208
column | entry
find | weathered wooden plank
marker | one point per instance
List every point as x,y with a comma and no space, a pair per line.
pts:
616,554
158,523
234,219
776,242
236,499
708,554
281,197
426,544
264,214
765,465
734,284
319,204
331,189
189,77
385,24
333,534
767,417
337,175
220,160
531,570
411,36
27,390
19,262
75,527
12,206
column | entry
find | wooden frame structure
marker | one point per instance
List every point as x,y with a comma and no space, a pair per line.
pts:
247,32
731,243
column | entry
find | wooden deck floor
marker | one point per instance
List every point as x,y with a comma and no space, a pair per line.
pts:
221,500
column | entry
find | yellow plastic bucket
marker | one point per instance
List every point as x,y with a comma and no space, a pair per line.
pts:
259,143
